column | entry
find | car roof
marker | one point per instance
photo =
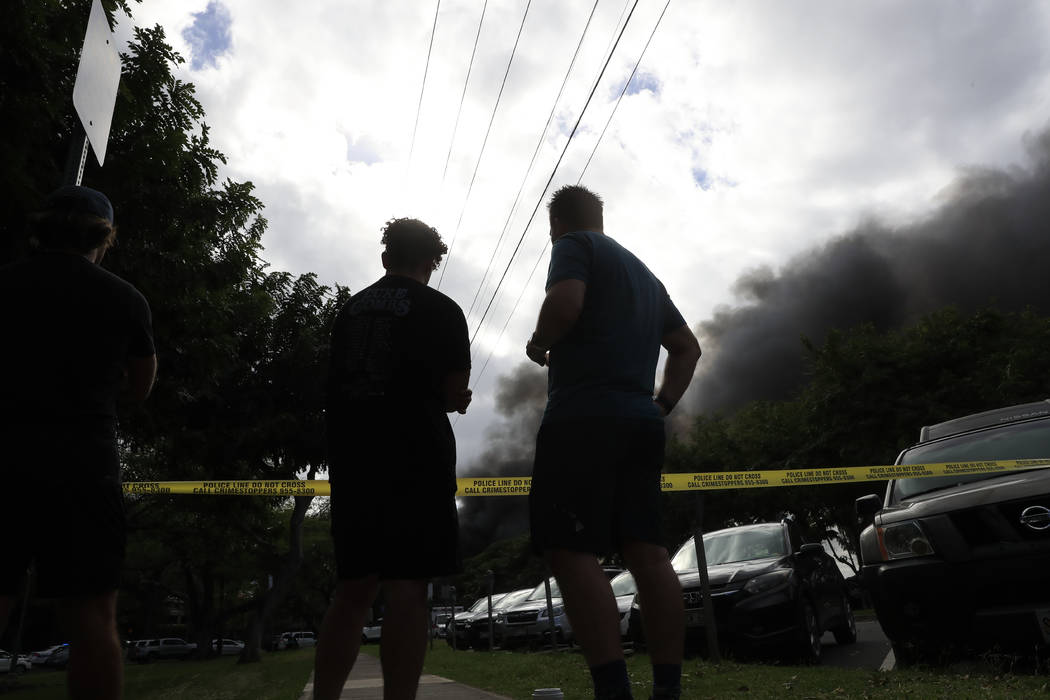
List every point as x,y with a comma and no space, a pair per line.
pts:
985,419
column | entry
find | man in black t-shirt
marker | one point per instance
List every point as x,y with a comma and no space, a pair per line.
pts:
76,338
400,361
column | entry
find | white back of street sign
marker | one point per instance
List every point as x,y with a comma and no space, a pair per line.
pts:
97,79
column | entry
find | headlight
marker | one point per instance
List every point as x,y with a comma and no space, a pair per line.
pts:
499,618
903,540
767,582
557,610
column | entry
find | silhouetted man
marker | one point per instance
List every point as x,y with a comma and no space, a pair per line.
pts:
76,338
600,448
400,362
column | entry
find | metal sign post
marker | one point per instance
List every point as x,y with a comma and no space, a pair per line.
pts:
450,627
492,636
550,613
705,584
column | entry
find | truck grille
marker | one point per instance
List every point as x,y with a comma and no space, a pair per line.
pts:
1000,523
522,618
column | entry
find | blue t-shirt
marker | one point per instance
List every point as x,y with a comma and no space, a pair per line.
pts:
606,365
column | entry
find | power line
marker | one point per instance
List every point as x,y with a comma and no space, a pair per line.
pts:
462,97
578,181
553,173
484,142
419,107
532,161
624,90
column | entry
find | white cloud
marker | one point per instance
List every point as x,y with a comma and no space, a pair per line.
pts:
805,117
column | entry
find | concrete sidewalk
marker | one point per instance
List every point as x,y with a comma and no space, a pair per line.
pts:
366,683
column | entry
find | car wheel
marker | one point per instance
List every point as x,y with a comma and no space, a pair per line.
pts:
846,633
809,634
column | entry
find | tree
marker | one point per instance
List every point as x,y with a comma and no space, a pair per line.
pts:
241,349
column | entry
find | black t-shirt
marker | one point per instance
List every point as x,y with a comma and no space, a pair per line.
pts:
69,328
393,345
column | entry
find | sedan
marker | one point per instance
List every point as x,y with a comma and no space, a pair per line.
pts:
770,591
23,664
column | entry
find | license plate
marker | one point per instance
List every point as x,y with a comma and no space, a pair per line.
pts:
1042,618
694,618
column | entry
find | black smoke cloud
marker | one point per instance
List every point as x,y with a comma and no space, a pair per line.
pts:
520,400
986,245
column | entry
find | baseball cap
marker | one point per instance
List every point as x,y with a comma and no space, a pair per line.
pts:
77,199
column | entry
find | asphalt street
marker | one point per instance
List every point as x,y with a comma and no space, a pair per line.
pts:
869,651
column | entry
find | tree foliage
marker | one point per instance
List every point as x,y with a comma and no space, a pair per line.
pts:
242,349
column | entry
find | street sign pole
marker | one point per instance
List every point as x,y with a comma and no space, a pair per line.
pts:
492,636
77,157
705,584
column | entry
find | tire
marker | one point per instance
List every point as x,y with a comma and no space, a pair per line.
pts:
846,633
905,654
809,634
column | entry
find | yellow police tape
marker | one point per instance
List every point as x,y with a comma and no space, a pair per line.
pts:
520,486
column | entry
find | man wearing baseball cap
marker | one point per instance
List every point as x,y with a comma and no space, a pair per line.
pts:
76,339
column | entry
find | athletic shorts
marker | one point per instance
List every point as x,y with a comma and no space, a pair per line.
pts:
596,483
74,534
396,530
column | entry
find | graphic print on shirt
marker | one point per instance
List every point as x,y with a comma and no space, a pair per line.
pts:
369,340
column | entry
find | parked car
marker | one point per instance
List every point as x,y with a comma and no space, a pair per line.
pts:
23,664
528,622
624,589
962,561
59,658
39,658
478,631
146,650
229,646
298,640
278,642
372,632
770,590
464,620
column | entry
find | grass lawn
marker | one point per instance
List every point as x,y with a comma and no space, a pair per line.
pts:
279,676
517,674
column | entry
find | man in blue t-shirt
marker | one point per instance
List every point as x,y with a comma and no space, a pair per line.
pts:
600,448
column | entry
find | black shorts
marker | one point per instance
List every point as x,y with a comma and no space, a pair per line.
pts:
396,530
596,483
75,534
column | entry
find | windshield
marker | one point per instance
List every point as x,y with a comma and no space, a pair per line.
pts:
1018,441
623,584
760,542
540,591
512,599
480,604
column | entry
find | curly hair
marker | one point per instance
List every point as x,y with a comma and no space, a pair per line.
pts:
57,230
577,207
410,242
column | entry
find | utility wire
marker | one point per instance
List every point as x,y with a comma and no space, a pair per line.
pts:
578,181
553,173
466,82
484,142
422,89
624,90
532,161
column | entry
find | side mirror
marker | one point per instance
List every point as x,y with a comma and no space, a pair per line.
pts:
867,507
811,549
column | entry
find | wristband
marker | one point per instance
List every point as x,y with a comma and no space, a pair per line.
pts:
664,403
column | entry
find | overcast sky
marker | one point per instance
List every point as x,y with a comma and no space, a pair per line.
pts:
752,132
